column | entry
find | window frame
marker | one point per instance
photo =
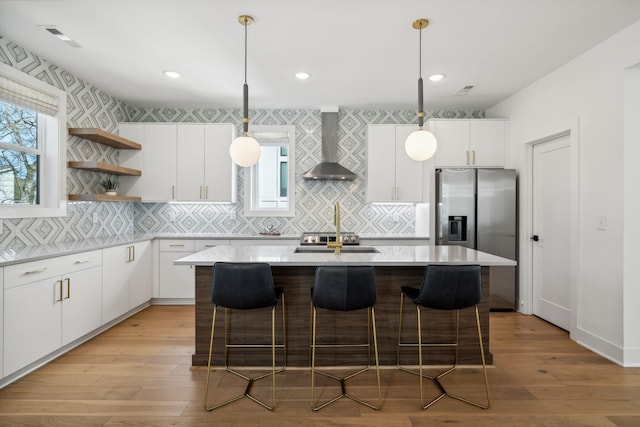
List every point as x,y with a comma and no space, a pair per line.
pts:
53,158
249,177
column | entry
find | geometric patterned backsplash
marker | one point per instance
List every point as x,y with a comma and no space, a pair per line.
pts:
314,199
88,106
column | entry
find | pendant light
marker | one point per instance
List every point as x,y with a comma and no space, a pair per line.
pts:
420,144
244,150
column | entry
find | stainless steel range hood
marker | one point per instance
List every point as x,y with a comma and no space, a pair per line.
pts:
329,168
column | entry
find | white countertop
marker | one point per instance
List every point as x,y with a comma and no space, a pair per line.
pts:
386,256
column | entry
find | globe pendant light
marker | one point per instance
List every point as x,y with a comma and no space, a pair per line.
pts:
245,151
420,144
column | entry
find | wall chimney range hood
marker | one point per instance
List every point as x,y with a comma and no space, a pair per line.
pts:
329,168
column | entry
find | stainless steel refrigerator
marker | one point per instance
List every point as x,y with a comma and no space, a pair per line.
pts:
477,208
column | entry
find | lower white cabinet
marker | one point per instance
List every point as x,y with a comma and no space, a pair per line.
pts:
178,281
126,277
49,304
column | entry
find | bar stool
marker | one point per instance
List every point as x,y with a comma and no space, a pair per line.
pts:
344,288
245,286
445,287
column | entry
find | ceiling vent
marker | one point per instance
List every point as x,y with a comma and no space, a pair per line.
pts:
62,36
465,90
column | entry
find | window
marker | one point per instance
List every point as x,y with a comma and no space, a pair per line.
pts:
269,184
32,146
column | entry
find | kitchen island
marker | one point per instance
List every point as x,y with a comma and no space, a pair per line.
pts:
396,266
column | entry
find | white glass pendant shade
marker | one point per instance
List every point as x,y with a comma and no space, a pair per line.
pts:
245,151
421,145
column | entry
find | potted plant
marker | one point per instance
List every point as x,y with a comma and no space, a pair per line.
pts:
110,185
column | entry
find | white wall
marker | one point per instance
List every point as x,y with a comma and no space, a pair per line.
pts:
586,96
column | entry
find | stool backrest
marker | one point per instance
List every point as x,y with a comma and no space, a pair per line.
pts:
341,287
242,285
450,287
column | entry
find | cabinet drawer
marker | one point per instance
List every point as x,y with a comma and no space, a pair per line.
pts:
176,245
201,245
28,272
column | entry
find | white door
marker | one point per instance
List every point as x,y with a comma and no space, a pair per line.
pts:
550,234
159,161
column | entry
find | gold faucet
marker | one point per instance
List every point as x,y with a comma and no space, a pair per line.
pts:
337,245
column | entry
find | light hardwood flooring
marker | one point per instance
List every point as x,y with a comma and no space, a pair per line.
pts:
139,374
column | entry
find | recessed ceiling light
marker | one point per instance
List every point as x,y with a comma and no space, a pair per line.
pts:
436,77
172,74
302,75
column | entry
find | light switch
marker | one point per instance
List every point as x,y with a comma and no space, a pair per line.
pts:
172,216
601,222
94,218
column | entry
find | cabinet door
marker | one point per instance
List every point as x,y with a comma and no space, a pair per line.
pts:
190,158
176,281
131,185
453,142
219,170
487,142
380,163
159,161
1,322
141,274
32,322
408,171
115,282
81,303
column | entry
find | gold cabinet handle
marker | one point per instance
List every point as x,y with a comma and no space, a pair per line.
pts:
206,192
176,246
473,154
201,192
68,280
173,191
83,261
59,283
133,253
210,246
467,157
40,270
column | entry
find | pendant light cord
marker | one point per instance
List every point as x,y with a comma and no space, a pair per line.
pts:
420,96
245,52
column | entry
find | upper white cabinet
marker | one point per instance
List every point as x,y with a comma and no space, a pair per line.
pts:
205,170
469,142
391,175
183,162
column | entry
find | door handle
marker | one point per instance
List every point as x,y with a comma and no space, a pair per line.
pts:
68,280
535,238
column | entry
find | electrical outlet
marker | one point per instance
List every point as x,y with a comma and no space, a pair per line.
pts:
396,217
601,222
172,216
94,219
232,215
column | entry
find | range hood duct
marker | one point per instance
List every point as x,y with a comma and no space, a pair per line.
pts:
329,168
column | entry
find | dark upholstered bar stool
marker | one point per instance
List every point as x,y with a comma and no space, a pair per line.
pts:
344,288
245,286
445,287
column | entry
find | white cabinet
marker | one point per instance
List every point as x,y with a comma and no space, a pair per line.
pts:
391,175
49,304
205,171
184,162
469,142
127,278
178,281
141,274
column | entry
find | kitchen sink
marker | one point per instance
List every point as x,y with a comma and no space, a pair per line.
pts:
345,250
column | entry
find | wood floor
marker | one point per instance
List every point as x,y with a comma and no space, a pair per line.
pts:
139,374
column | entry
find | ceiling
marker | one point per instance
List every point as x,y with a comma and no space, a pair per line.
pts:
360,53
